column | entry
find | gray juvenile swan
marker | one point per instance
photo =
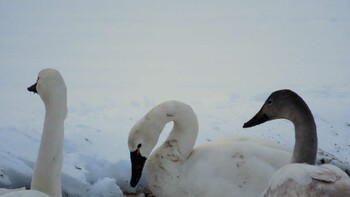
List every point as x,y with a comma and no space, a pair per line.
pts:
46,180
224,167
301,177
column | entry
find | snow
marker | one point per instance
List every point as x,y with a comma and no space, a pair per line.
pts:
121,58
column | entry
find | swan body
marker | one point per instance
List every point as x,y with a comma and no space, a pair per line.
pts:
5,191
301,177
25,193
225,167
307,180
46,180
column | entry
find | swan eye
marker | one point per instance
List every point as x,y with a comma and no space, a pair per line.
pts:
139,146
269,102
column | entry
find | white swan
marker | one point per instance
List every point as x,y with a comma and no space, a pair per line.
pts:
301,178
46,180
226,167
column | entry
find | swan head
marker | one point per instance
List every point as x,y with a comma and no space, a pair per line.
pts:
49,83
280,104
142,139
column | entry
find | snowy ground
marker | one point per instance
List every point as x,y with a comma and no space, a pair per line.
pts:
121,58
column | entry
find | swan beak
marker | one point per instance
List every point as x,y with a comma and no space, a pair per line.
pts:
137,163
32,88
259,118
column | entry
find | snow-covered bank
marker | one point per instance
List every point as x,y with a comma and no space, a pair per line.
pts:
96,158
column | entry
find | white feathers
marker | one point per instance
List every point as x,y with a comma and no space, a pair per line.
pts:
225,167
46,180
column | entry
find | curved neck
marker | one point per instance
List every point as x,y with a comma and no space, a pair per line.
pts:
185,130
305,148
47,173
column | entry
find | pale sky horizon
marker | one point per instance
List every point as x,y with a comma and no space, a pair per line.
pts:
131,51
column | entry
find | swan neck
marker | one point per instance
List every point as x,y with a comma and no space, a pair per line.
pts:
185,130
47,172
305,148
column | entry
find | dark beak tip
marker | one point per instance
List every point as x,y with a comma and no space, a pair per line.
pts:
133,184
32,88
245,125
256,120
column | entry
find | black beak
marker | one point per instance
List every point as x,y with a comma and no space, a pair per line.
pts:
32,88
259,118
137,163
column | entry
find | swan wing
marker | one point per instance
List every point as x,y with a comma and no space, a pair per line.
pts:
232,167
309,180
324,174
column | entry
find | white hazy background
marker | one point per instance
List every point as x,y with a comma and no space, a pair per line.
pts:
121,58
